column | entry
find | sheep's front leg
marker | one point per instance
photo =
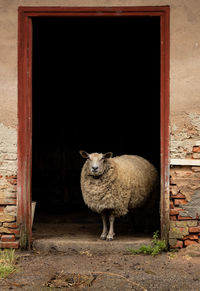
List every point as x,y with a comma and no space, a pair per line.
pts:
105,229
111,230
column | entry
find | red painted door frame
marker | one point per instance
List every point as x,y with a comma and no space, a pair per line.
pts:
25,15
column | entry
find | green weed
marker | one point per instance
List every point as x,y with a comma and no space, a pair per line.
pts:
7,262
156,247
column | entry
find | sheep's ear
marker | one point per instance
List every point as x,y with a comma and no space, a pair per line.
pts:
108,155
85,155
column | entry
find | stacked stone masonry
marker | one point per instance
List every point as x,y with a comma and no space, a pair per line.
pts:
9,231
185,204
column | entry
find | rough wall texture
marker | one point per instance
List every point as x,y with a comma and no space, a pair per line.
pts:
184,103
184,85
185,134
8,187
184,54
184,206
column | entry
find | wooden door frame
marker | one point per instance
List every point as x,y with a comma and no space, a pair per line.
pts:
25,16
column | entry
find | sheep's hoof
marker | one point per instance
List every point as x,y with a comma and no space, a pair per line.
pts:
103,237
109,238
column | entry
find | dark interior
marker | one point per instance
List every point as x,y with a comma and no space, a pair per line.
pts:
96,87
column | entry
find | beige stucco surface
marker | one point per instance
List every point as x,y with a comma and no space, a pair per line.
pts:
184,60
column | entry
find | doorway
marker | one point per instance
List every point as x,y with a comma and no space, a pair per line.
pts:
96,85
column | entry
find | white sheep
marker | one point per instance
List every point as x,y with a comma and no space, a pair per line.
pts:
112,186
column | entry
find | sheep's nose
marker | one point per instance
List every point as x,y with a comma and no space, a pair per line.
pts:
94,168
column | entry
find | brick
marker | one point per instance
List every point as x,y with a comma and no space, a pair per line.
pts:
7,237
184,217
3,188
185,223
9,245
184,180
191,223
11,177
7,188
8,230
172,241
11,210
195,169
196,149
179,202
8,194
196,156
12,180
192,237
8,201
171,205
189,242
172,181
179,195
2,208
179,244
6,217
178,232
188,156
173,224
10,157
194,229
174,189
183,173
10,224
14,230
4,230
173,217
175,211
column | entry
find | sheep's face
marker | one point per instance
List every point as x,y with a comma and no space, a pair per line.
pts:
96,162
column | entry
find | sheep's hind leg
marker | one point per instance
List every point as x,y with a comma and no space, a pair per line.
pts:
105,229
111,233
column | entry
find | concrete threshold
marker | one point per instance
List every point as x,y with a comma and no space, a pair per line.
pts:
88,247
76,238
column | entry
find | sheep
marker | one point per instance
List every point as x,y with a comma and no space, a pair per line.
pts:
111,186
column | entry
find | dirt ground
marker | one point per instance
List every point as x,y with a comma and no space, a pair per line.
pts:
86,271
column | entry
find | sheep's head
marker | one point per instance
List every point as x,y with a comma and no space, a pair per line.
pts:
96,162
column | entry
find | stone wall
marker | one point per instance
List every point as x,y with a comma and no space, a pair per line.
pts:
184,205
9,231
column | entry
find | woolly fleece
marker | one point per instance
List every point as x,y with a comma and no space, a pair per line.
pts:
126,183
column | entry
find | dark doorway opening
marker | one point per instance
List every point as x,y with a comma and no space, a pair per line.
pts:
96,87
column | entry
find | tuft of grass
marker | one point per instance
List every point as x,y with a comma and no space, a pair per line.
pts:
156,247
7,262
